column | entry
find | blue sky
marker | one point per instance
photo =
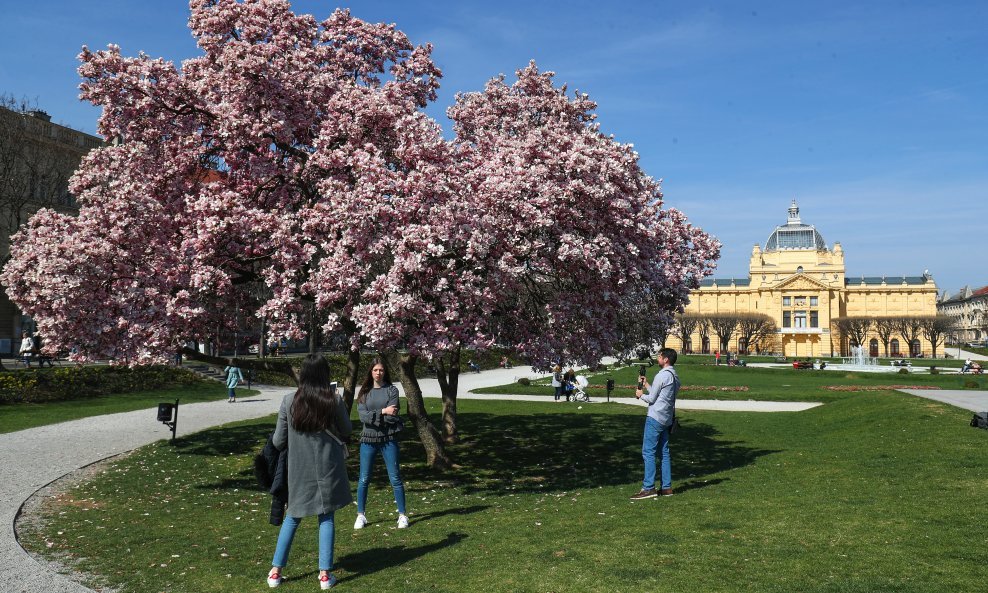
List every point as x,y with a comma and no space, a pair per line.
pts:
873,115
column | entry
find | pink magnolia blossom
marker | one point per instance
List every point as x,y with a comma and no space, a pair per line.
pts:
336,194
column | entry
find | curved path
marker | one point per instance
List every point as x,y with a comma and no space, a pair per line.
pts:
35,457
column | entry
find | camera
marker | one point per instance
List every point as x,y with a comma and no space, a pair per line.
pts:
641,373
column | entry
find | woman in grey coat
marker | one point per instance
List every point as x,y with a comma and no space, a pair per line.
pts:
377,405
313,422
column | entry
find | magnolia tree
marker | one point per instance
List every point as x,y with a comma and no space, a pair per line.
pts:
341,200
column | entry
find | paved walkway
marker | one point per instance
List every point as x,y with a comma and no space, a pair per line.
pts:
976,401
36,457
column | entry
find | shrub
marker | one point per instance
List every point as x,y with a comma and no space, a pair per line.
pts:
934,371
69,383
903,371
524,381
970,384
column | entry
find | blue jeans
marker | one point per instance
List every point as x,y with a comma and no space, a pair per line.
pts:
656,437
327,536
389,451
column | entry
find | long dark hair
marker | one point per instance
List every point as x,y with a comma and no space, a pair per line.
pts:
368,383
314,407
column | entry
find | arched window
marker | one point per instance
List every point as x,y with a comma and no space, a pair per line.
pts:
799,270
743,346
688,347
705,347
915,349
873,348
894,347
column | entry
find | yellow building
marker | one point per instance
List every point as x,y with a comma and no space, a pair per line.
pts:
801,284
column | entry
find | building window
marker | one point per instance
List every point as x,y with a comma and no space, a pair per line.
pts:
786,319
801,301
786,301
915,349
814,319
894,347
799,270
799,319
873,348
814,301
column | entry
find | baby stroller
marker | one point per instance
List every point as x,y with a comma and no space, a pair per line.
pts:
578,391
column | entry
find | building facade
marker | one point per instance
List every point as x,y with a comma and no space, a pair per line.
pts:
37,157
802,285
969,310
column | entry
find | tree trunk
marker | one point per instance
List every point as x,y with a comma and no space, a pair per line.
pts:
313,330
352,377
449,379
431,440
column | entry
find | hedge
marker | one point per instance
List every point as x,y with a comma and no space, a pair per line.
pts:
69,383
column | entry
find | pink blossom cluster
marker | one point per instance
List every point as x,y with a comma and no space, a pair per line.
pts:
290,170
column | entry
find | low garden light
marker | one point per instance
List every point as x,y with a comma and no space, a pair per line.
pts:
168,415
610,388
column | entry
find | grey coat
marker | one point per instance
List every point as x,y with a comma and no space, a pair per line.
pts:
317,479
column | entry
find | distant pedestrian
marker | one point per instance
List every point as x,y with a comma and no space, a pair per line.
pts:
27,348
314,424
661,399
379,411
557,381
569,382
717,356
233,378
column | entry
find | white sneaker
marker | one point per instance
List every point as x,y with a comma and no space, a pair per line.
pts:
402,521
327,582
274,581
361,521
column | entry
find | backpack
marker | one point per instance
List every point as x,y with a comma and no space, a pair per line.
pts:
980,420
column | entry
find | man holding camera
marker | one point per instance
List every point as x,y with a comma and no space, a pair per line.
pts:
661,398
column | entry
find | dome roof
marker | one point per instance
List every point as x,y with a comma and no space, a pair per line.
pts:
795,235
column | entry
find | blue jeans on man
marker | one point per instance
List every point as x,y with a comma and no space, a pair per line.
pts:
389,451
656,439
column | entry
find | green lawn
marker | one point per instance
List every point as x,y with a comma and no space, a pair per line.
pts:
772,384
29,415
875,491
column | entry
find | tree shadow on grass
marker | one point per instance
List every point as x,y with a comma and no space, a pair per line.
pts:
560,452
229,440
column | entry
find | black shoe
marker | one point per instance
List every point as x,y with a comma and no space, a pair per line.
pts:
645,493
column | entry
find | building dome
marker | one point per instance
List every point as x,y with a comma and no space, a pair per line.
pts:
795,235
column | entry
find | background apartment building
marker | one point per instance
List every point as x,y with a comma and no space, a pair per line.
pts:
37,157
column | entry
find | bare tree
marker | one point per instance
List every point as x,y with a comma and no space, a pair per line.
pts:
35,164
909,327
724,325
753,328
936,329
686,324
885,328
855,329
703,327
